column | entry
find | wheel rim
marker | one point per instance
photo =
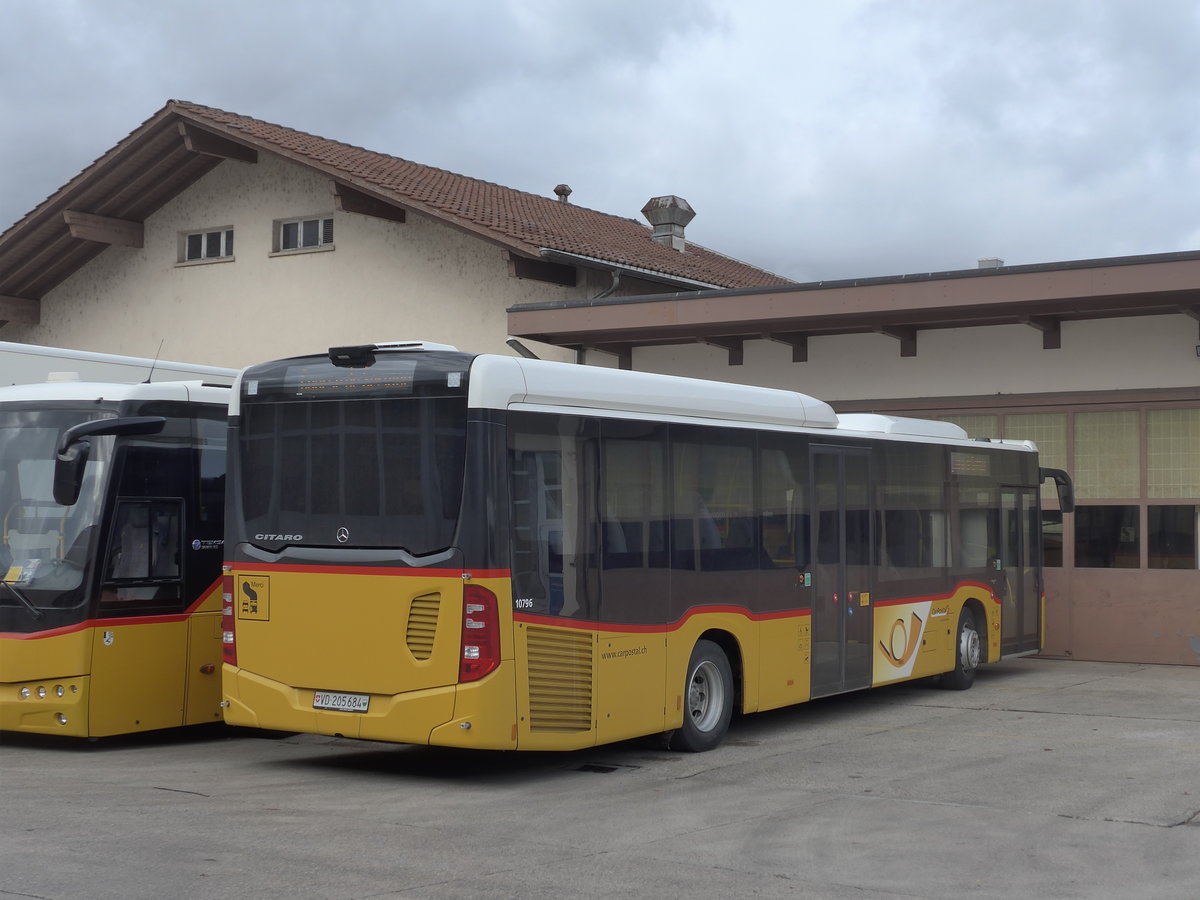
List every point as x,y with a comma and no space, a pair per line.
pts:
706,696
968,649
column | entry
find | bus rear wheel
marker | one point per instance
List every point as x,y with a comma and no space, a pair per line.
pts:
968,651
707,700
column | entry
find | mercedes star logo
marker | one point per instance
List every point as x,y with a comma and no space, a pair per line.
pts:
343,534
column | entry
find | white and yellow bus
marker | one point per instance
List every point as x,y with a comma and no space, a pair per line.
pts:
434,547
112,506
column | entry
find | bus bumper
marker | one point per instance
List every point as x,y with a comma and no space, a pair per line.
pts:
452,716
46,706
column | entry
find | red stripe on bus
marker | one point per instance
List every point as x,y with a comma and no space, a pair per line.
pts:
933,598
627,628
365,570
113,621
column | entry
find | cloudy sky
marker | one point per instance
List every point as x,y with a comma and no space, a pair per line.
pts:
819,139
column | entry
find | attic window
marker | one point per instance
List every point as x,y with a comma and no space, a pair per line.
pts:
303,234
197,245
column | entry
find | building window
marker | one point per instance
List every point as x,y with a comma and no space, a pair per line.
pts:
1107,455
1049,432
1106,537
197,245
1171,536
1136,471
1052,538
1172,458
304,234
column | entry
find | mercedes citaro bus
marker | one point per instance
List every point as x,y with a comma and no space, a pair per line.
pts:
436,547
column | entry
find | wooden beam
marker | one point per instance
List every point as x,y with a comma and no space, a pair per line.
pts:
197,140
734,346
1192,311
21,310
797,340
1051,329
103,229
906,335
347,199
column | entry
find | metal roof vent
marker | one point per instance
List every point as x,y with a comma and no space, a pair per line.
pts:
563,192
990,262
669,215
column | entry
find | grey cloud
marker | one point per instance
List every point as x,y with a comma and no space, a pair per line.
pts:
817,140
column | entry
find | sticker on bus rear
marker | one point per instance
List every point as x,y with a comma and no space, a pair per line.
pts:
254,597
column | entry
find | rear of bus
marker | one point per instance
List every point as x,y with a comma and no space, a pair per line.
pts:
366,590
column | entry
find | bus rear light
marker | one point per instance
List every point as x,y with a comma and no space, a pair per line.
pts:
480,633
228,638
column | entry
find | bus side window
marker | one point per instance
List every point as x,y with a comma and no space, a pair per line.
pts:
142,573
784,517
145,544
553,480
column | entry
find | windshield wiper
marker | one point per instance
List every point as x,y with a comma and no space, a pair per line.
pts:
33,610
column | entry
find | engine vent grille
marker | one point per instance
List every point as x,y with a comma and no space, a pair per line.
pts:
560,680
422,625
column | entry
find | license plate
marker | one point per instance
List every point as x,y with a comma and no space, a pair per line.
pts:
341,702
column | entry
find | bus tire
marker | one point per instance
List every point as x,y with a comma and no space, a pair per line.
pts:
707,700
968,650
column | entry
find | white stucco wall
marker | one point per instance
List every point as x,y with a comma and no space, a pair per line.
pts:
383,281
1099,355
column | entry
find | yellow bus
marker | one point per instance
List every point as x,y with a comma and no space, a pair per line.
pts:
112,498
433,547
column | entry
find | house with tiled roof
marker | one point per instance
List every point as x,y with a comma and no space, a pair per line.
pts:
227,240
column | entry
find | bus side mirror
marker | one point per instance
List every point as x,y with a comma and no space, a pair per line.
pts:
1066,490
74,449
68,472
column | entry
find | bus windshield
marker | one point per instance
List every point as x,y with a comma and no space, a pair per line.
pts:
44,547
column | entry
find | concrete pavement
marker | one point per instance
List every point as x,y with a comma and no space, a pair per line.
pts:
1047,779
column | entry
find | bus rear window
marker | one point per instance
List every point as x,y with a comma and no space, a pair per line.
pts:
354,473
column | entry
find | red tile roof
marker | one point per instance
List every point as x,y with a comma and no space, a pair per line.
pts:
525,222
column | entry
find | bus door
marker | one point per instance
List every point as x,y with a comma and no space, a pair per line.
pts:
1020,590
140,646
841,570
140,650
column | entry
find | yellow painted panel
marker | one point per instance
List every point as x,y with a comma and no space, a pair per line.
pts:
57,656
203,680
405,718
919,639
485,714
631,678
348,632
785,662
137,677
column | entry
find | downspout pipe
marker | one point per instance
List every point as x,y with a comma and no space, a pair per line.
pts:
612,288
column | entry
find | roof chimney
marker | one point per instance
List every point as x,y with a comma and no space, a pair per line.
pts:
669,215
990,262
563,192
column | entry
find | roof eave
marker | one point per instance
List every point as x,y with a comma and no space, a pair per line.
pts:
594,262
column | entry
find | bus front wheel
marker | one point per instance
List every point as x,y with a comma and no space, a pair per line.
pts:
707,699
968,650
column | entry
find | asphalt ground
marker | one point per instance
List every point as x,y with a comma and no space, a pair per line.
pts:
1048,779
